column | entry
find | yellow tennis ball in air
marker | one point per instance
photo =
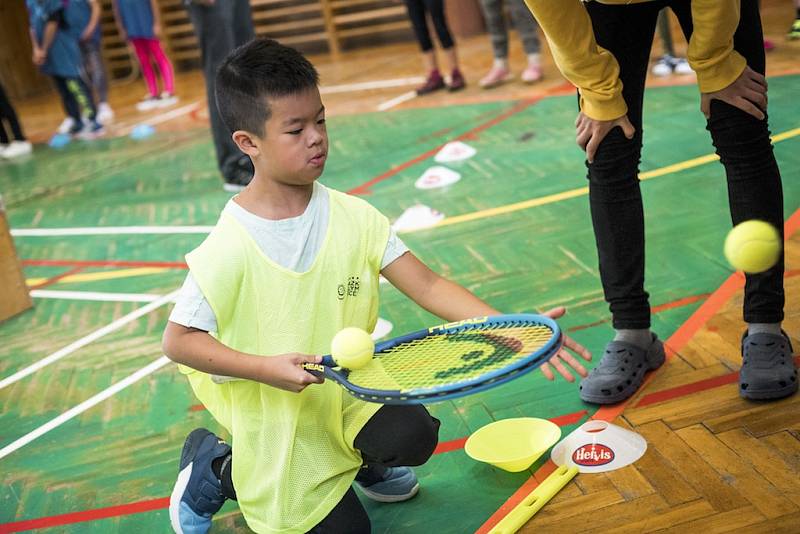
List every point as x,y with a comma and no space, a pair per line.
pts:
753,246
352,348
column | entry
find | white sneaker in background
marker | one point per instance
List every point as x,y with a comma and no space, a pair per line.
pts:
663,67
66,125
681,66
16,149
167,100
104,113
148,103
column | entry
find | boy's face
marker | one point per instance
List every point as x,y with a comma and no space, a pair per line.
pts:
295,144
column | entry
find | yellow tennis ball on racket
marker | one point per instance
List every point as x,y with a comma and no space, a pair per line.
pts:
352,348
753,246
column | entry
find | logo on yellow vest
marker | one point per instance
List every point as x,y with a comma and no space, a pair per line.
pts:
350,289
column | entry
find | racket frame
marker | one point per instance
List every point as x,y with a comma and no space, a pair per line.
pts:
453,390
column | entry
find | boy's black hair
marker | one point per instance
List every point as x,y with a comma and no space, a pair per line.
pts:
252,74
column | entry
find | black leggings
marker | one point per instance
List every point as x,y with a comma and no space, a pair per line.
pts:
741,141
7,113
76,98
416,11
394,436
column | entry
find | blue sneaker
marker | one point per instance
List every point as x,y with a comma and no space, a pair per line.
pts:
398,484
197,494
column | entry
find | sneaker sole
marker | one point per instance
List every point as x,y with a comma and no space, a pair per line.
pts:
380,497
768,394
175,497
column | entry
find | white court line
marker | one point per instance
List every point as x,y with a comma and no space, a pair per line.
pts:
161,118
97,334
93,295
405,97
110,230
82,407
366,86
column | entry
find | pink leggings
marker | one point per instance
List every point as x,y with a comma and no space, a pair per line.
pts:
151,48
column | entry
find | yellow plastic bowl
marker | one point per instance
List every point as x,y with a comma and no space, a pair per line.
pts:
512,444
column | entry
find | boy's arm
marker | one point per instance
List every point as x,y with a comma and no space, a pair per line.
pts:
199,350
453,302
94,19
436,294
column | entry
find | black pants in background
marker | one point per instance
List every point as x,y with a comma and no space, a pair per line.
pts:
394,436
221,27
741,141
76,97
7,113
416,12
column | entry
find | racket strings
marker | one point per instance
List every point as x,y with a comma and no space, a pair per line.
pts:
442,359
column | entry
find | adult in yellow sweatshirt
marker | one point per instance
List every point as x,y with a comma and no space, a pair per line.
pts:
603,48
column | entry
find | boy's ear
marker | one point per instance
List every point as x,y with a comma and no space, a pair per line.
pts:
246,141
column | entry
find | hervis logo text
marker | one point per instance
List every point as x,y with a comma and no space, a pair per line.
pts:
591,455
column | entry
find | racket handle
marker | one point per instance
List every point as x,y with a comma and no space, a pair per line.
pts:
318,369
531,504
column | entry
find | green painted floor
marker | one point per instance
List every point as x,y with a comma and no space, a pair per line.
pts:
125,450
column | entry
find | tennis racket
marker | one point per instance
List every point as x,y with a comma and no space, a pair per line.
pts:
448,361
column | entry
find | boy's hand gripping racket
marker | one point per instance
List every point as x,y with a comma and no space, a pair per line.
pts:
449,361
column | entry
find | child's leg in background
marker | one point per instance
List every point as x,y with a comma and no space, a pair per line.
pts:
664,33
528,30
495,17
142,53
71,107
163,63
95,69
436,10
83,96
7,112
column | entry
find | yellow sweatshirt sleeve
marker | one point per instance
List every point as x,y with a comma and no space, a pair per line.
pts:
711,52
591,68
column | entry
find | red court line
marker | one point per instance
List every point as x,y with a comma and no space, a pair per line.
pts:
163,502
86,515
105,263
53,280
674,344
693,387
364,188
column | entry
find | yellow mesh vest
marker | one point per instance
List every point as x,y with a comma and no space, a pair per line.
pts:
293,455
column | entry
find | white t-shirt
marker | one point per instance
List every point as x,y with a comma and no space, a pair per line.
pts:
291,243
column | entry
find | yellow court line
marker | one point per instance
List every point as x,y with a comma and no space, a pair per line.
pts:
102,275
580,191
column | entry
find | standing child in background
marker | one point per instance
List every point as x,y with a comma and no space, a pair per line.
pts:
794,30
525,24
669,62
139,22
435,80
289,264
56,53
18,146
83,17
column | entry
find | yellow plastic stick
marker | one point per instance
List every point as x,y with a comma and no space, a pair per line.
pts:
535,500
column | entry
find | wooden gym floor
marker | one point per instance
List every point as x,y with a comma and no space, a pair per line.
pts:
90,436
